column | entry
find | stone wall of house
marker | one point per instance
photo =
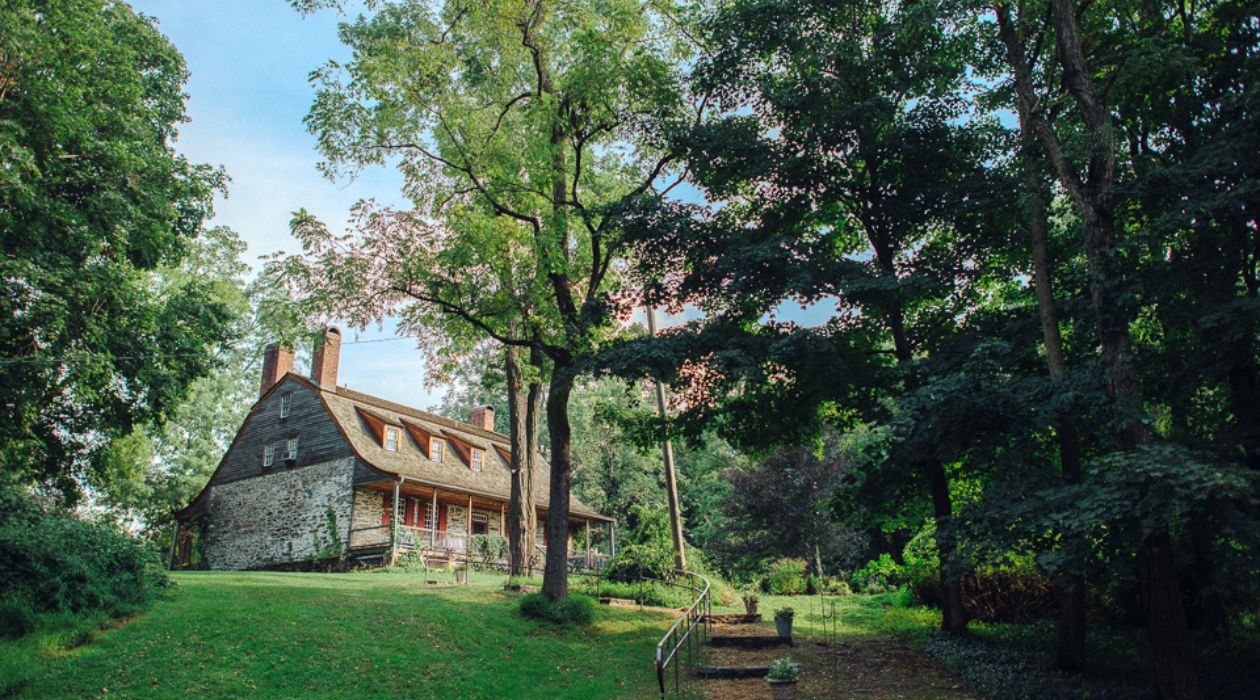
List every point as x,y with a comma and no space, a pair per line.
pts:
276,518
369,510
457,520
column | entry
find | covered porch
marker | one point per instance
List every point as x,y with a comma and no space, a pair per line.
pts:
448,526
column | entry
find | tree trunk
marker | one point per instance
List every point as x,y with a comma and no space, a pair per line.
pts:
555,576
1069,589
953,616
1091,191
533,416
520,500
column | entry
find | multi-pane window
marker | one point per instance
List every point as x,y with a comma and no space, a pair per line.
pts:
430,516
436,445
476,460
391,439
269,455
286,404
292,453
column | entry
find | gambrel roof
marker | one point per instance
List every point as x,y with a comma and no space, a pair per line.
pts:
354,413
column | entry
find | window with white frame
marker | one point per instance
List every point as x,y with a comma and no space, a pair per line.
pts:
430,516
436,446
286,405
391,439
269,455
292,452
476,459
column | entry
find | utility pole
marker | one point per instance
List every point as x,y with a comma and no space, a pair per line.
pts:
671,480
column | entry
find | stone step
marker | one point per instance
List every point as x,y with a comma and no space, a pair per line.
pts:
734,618
721,672
618,602
750,641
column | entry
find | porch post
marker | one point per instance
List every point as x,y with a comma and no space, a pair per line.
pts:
612,538
433,532
468,542
502,521
588,543
393,523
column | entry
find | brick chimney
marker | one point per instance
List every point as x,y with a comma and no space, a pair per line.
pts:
326,358
482,417
277,362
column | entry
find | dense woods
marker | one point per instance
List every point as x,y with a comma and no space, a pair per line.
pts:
970,294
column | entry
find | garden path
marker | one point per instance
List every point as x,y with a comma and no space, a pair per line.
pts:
867,667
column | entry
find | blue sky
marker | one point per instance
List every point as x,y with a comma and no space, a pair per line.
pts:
248,92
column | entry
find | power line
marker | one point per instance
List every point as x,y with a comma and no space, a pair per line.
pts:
88,357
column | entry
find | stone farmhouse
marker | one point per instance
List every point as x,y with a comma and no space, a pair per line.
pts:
318,467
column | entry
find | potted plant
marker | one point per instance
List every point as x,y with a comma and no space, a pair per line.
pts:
783,675
783,621
751,599
461,574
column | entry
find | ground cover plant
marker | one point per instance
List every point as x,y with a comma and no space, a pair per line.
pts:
61,565
339,635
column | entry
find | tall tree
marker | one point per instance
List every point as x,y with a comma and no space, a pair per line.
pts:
1089,179
157,469
93,200
521,125
856,180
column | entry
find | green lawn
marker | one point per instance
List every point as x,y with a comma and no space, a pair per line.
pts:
338,635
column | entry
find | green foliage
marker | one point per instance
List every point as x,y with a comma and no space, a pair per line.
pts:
782,505
650,593
56,562
16,618
784,669
158,468
879,575
95,207
571,610
784,614
786,577
329,549
647,551
489,549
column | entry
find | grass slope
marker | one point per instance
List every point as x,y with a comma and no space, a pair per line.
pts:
361,635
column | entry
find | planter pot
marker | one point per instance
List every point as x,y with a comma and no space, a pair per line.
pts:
461,576
751,608
784,627
782,690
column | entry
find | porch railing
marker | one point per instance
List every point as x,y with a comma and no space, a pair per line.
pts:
455,543
688,632
410,538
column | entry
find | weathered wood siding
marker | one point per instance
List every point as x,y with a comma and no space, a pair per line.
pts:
319,440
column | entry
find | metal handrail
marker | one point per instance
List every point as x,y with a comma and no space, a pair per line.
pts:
681,632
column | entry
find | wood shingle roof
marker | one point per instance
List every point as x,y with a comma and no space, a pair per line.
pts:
412,461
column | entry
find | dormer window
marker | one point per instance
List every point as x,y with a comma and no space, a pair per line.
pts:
391,439
476,459
436,447
286,404
269,455
292,452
